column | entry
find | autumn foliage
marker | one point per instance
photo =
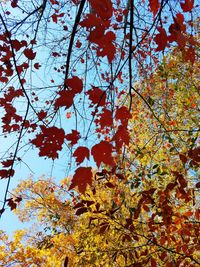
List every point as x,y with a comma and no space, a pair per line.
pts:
126,76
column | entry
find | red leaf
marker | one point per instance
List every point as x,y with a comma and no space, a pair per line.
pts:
110,185
123,114
108,50
6,173
13,202
106,119
82,178
104,42
73,137
177,30
42,114
14,3
90,21
28,52
198,185
65,99
81,153
56,16
161,39
3,79
153,262
7,163
183,158
102,153
81,211
154,6
75,84
17,45
195,154
189,54
187,6
181,179
97,96
102,8
49,141
37,66
121,136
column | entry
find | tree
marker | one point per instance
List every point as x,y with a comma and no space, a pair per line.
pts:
143,212
126,74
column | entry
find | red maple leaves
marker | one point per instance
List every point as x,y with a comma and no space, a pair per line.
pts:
73,137
154,6
98,21
74,86
82,178
97,96
103,9
161,39
123,114
49,141
102,153
187,5
81,153
28,52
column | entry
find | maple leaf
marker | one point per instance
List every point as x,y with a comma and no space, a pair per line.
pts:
194,154
49,141
102,8
90,21
123,114
161,39
13,202
106,119
81,211
7,163
6,173
177,30
73,137
187,6
108,50
102,153
81,153
154,6
121,136
189,54
183,158
37,66
97,96
28,52
82,178
65,99
17,45
75,84
42,114
104,42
